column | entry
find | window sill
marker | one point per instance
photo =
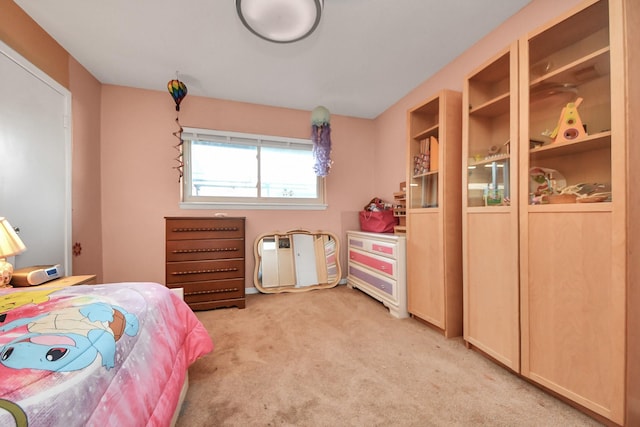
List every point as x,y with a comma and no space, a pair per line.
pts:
252,206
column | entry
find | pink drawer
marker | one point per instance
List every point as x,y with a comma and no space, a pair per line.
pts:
383,265
383,249
386,249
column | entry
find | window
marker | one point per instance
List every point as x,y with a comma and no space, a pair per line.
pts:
246,171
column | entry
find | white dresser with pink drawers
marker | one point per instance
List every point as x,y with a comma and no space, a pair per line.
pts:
377,266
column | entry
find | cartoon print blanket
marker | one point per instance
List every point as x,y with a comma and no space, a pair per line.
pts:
101,355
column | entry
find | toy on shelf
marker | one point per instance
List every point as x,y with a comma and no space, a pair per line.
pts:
570,125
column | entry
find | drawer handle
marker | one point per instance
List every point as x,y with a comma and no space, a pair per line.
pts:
212,291
215,270
191,251
189,229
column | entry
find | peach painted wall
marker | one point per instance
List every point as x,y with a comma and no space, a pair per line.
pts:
86,198
391,125
140,185
19,31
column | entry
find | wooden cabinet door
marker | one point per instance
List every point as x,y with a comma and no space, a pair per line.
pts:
425,285
573,254
491,289
573,310
490,208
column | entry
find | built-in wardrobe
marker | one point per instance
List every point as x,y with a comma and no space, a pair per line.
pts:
550,196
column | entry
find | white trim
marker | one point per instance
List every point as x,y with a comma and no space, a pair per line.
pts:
241,137
192,201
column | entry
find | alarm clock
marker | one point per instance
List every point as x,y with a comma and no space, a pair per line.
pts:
36,275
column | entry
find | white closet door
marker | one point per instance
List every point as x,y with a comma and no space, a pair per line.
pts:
35,150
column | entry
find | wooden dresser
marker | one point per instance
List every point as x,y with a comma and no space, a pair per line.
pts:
205,257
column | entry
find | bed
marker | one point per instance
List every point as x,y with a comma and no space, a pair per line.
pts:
96,355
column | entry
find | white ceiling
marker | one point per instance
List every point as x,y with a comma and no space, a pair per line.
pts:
364,56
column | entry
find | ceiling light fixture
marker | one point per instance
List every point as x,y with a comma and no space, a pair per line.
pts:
280,21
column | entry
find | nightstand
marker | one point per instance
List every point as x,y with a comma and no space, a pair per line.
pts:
63,282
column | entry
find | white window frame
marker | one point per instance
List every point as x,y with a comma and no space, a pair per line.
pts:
189,201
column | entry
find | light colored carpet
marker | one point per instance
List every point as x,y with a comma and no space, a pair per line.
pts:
335,357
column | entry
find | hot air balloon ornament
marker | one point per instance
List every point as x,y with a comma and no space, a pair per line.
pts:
321,138
178,91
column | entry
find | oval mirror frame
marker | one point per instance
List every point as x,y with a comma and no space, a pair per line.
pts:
296,261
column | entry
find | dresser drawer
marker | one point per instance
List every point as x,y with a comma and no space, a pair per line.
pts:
373,280
202,228
198,271
212,290
389,250
383,265
206,249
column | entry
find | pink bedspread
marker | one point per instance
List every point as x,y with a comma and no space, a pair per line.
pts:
102,355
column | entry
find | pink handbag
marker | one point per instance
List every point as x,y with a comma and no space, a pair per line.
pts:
378,221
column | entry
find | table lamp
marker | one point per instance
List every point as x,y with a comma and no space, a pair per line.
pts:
10,245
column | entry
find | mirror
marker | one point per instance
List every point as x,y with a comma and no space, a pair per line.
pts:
295,261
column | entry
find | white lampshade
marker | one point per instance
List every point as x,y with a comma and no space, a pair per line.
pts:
10,245
280,21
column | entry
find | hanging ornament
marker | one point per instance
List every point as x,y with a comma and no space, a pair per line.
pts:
321,137
178,91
